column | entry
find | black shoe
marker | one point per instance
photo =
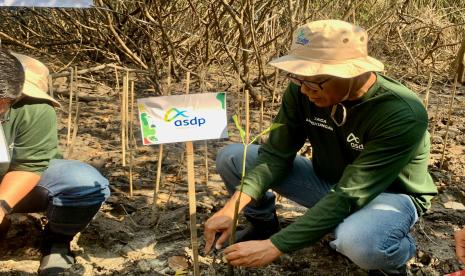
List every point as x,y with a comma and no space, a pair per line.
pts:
4,227
56,254
257,230
401,271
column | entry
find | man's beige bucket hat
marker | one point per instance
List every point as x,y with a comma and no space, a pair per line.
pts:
328,47
35,78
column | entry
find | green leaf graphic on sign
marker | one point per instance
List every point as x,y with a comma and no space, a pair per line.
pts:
220,97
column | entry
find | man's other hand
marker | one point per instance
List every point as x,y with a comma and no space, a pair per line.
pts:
219,223
460,245
252,253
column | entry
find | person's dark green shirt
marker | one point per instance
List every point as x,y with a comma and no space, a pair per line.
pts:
383,146
30,128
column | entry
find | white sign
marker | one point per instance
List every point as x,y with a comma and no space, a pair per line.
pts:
170,119
48,3
4,154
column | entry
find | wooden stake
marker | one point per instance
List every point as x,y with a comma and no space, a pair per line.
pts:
192,205
133,111
261,114
275,86
123,121
131,122
50,85
206,162
191,192
160,151
168,81
70,106
428,88
451,105
117,87
127,110
247,118
239,99
75,125
157,183
203,88
75,130
437,116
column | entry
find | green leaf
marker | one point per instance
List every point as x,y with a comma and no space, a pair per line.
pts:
266,131
238,126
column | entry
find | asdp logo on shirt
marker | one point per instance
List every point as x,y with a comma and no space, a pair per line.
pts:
354,142
181,119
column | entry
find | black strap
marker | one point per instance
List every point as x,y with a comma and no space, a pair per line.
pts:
5,206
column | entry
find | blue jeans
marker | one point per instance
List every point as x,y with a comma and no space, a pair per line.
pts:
70,193
374,237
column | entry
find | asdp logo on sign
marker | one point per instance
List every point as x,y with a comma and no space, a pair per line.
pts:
181,119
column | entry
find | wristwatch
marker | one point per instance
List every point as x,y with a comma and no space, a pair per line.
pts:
5,206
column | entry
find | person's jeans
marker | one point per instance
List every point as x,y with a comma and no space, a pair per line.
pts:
70,192
374,237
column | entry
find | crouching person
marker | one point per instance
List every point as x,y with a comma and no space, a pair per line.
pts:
34,177
367,181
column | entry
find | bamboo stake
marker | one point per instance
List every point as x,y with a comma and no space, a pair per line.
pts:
428,88
247,117
191,192
50,85
123,121
75,125
206,163
451,104
127,110
168,81
76,80
204,87
160,151
157,183
131,123
437,117
261,114
117,88
239,99
192,205
70,106
75,130
275,85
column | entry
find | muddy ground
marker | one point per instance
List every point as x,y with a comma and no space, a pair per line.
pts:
125,239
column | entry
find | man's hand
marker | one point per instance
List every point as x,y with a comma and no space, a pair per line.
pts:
460,245
252,253
221,223
2,215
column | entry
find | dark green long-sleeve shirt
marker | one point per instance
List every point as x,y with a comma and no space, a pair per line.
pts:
383,146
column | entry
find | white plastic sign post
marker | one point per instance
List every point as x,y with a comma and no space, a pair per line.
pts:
4,153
